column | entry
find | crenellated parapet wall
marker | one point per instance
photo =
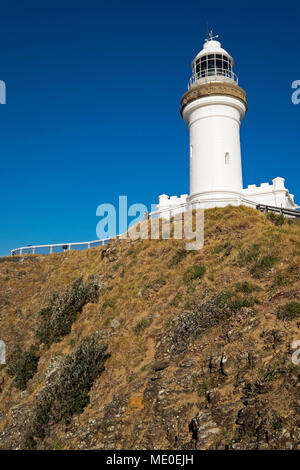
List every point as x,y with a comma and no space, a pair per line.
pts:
171,205
165,200
278,184
275,194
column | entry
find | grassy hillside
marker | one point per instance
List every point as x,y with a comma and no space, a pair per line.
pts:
144,345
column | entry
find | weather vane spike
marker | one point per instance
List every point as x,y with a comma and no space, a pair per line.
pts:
211,37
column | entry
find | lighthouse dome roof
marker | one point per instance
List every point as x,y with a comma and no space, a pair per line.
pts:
212,47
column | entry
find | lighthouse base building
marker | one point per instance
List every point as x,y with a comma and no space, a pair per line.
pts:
275,194
213,108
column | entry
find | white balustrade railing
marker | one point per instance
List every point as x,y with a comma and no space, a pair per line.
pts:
33,249
62,247
167,212
212,76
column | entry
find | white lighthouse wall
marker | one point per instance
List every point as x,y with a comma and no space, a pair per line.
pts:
215,152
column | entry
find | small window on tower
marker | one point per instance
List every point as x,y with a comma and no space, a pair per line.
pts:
227,158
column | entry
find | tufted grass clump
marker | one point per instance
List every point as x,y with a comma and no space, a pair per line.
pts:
141,326
22,365
258,262
203,389
178,257
248,255
195,272
289,311
155,284
57,318
69,393
245,287
263,265
236,304
276,219
226,248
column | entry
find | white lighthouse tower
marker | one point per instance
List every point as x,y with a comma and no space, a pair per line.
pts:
213,108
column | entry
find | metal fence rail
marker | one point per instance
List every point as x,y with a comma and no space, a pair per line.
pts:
62,247
57,247
278,210
167,213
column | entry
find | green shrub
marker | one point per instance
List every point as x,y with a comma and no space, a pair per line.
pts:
245,287
195,272
22,365
237,303
276,219
57,318
69,393
178,257
289,311
205,314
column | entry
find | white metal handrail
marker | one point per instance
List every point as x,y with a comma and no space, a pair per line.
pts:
171,211
213,75
31,249
63,246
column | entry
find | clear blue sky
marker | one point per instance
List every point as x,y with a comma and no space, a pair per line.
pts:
93,101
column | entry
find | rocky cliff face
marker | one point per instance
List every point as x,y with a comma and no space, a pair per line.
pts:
143,345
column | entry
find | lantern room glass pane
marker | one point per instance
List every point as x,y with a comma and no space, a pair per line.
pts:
219,63
212,64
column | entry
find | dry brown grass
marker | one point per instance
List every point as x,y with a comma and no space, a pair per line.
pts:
134,291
